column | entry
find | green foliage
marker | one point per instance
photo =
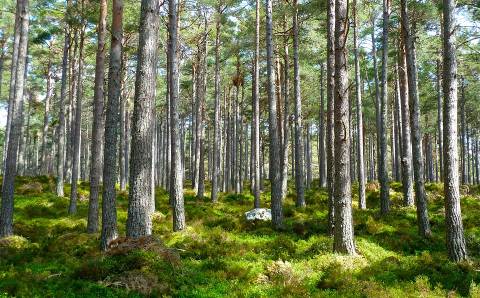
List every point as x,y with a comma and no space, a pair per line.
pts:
221,254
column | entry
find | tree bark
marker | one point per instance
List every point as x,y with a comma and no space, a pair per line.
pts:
418,171
330,113
321,132
362,204
299,174
97,129
6,211
453,216
256,110
176,177
139,222
343,235
275,175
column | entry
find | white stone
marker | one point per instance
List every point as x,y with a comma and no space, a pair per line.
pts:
262,214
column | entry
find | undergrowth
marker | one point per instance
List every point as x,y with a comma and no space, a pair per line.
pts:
220,254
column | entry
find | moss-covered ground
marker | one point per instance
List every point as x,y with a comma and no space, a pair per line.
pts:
222,255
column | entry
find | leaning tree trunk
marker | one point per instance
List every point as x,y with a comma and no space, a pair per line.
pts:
358,94
139,222
330,112
109,211
72,209
414,102
453,215
97,134
382,128
6,211
274,169
176,182
299,156
343,235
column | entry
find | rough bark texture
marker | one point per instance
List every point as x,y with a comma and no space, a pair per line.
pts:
362,204
321,132
109,211
453,216
139,222
330,112
176,177
274,169
343,233
299,154
97,129
6,211
414,102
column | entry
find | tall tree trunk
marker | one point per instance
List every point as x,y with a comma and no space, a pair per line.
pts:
362,204
109,209
256,109
48,97
343,235
72,209
382,128
97,129
330,113
453,216
176,177
420,196
321,132
407,174
286,109
274,169
299,183
6,211
439,117
216,124
139,222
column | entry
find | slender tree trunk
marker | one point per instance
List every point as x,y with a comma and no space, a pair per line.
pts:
286,110
407,174
97,130
256,110
139,222
176,182
48,96
72,209
321,132
299,183
109,211
420,196
382,128
216,124
6,211
343,241
453,215
362,204
439,118
275,175
330,113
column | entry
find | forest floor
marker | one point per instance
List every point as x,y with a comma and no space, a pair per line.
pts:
221,254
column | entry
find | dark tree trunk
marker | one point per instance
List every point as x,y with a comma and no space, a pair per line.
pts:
343,236
16,101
